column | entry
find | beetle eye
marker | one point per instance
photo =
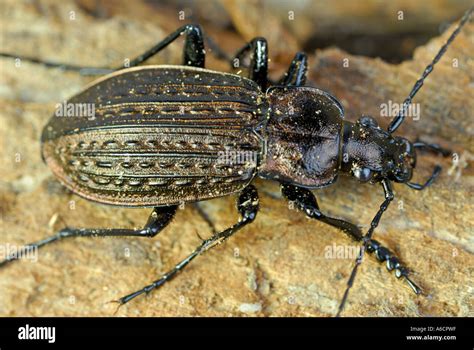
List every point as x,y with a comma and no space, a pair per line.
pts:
363,174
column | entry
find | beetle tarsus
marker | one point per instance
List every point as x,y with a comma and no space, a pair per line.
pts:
392,263
416,289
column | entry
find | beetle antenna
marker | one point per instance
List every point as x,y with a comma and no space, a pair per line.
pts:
398,120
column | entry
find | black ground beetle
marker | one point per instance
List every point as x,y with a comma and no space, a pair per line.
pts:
158,131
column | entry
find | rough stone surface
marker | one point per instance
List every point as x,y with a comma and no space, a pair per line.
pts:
275,267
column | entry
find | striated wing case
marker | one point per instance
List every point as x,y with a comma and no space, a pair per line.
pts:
158,135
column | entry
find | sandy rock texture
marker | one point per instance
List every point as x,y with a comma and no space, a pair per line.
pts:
278,265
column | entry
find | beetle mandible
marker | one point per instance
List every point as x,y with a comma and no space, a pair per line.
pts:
159,132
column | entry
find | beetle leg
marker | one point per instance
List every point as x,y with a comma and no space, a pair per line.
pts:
296,74
159,218
434,148
217,51
258,68
205,216
420,187
193,53
382,254
247,206
306,201
70,67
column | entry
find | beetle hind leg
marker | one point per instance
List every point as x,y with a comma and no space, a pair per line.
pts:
158,220
193,53
257,48
257,52
205,216
296,74
247,206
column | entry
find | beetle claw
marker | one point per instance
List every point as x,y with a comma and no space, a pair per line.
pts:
120,302
417,289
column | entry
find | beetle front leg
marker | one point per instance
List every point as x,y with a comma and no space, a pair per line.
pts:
392,261
247,206
306,201
158,220
434,148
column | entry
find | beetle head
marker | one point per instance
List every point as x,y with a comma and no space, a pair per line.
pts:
404,160
371,153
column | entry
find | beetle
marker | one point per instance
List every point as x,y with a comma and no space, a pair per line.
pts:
158,132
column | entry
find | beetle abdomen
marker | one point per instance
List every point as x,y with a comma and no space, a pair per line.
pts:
157,137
